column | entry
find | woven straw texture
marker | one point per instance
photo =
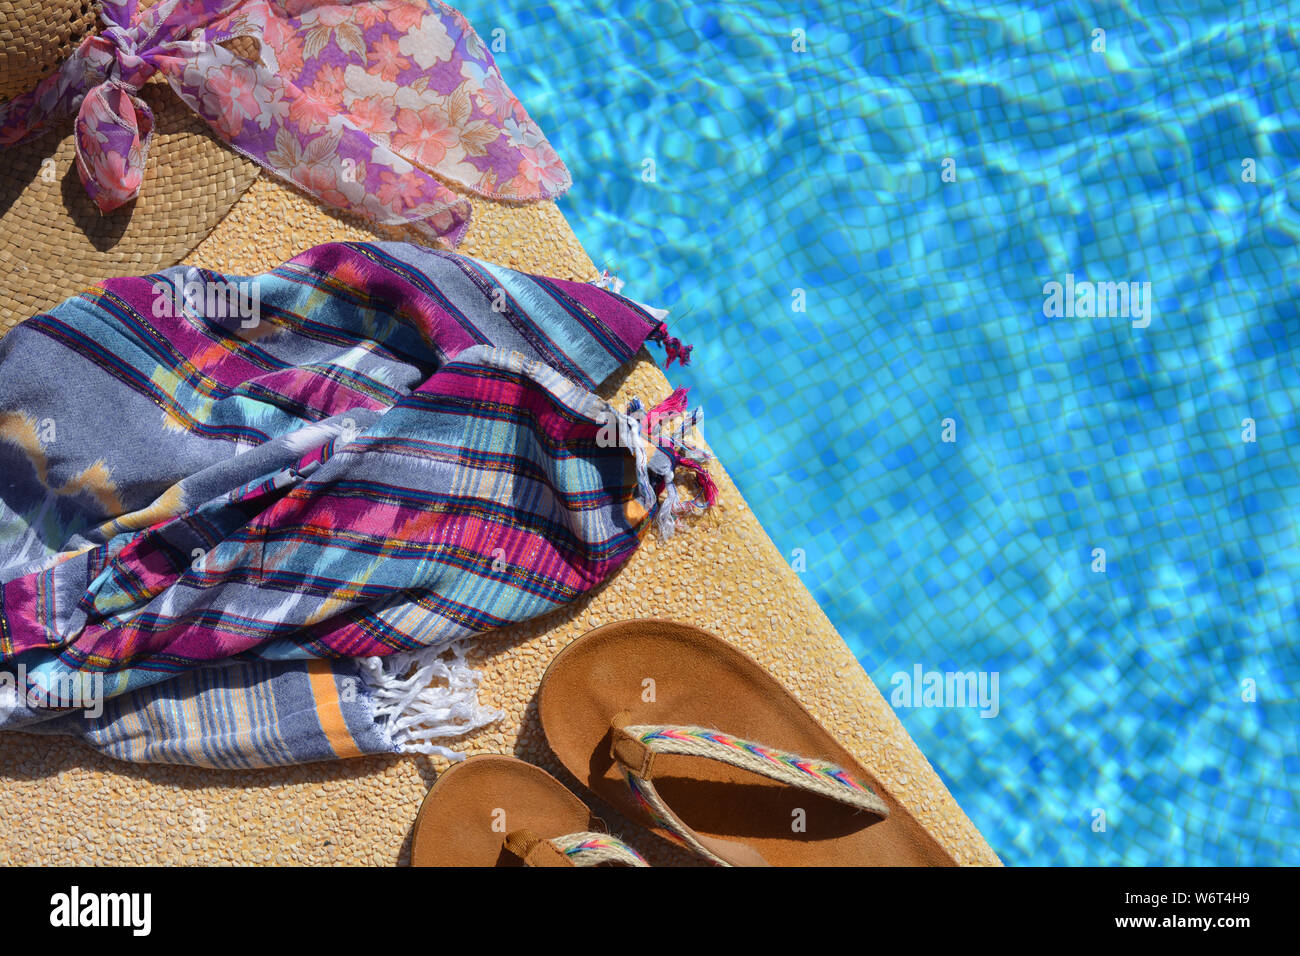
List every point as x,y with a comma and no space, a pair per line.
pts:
53,240
36,36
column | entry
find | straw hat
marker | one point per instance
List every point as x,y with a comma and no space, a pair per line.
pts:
200,201
54,241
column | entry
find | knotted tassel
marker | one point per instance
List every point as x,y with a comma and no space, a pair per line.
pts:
673,346
674,404
677,452
708,487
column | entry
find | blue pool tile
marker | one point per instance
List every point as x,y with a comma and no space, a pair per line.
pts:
780,170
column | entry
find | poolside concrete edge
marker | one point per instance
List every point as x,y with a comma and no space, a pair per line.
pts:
723,573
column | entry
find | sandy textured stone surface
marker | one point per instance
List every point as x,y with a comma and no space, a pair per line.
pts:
65,804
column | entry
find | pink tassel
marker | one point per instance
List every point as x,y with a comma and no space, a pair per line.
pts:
674,404
708,487
673,346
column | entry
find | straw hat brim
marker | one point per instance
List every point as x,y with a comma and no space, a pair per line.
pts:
55,242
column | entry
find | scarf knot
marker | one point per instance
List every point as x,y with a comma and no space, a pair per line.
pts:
358,102
114,126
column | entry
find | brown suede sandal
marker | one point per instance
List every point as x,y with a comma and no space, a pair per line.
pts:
499,811
642,713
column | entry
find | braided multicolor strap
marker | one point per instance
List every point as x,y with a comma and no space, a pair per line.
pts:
634,747
573,849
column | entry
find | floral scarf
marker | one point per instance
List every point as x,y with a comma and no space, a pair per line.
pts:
357,102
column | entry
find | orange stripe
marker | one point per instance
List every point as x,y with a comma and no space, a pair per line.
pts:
329,710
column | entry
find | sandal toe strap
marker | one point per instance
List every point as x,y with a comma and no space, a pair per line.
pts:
635,746
585,848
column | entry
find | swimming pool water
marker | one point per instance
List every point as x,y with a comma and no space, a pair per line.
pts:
735,179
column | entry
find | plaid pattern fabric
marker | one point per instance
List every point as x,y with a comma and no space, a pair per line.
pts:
374,448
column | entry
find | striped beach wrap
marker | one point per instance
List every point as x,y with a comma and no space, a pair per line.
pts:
249,521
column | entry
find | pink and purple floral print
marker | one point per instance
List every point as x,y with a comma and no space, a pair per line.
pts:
361,103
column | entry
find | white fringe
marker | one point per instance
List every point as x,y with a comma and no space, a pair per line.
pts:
413,710
630,426
609,282
658,314
666,522
8,701
612,283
